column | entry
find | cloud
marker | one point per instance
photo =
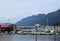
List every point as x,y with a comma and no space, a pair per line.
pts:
25,8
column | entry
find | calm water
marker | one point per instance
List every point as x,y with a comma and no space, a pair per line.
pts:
28,37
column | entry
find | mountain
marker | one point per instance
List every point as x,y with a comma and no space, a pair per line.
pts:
30,21
52,18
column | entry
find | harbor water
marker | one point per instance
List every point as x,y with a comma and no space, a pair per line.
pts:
29,37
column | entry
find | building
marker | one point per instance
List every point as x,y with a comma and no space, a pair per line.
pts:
7,27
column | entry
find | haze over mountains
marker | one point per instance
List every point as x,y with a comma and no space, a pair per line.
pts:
52,18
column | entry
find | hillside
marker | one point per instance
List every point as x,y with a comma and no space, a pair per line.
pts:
53,19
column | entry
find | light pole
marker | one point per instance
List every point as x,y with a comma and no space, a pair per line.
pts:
36,32
36,26
47,21
54,33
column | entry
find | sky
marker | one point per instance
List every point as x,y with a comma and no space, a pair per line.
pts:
14,10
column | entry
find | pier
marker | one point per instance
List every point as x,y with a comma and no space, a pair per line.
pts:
33,30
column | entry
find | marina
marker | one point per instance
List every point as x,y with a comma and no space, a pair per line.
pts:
31,33
29,30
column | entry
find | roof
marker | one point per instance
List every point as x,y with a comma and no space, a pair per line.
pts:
5,25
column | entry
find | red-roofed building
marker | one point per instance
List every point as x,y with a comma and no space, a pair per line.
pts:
7,27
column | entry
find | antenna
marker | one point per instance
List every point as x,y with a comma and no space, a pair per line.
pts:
8,20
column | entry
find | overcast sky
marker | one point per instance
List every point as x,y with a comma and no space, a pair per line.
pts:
14,10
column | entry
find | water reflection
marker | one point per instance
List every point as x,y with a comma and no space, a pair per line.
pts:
28,38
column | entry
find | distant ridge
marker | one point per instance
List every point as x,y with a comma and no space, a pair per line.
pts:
53,19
